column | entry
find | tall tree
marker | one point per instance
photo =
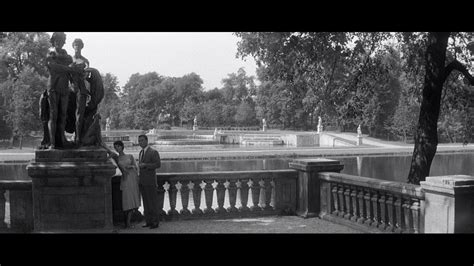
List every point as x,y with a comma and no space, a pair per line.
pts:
437,70
26,91
111,103
20,52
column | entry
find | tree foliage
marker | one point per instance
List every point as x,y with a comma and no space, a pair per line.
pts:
357,78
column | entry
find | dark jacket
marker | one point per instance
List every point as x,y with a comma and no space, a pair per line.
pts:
148,174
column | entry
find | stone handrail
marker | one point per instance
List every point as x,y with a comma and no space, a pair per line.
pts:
17,195
254,128
371,204
226,194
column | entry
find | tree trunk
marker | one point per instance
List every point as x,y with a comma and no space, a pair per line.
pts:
426,135
21,142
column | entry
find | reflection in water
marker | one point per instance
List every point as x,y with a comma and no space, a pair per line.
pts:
393,168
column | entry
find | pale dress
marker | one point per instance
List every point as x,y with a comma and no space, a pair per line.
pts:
129,182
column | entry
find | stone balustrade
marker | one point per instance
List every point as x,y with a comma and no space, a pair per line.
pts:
371,204
312,187
16,206
226,194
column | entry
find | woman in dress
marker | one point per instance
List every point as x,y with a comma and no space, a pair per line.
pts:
129,182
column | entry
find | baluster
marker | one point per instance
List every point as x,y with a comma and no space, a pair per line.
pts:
208,192
360,199
243,188
354,203
196,191
172,192
368,209
226,195
334,203
255,190
220,193
166,200
407,227
340,195
391,221
261,194
347,193
179,203
161,198
232,188
383,216
415,210
398,215
2,209
375,209
184,199
272,203
267,186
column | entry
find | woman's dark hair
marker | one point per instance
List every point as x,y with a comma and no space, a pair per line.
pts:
57,35
118,143
79,42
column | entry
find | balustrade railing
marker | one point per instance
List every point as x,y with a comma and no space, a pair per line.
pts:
371,203
16,205
226,194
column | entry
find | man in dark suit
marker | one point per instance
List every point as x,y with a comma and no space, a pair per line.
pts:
149,160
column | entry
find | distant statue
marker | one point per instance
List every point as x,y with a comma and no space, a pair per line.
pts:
215,133
320,125
107,124
264,123
195,123
359,136
359,131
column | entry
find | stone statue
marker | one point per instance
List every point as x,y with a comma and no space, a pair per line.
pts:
79,64
264,123
359,131
195,121
66,110
57,62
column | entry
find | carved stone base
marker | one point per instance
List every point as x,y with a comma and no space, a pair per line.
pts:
72,189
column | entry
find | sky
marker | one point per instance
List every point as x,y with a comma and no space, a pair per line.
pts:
211,55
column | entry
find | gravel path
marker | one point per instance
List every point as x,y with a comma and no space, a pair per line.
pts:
256,225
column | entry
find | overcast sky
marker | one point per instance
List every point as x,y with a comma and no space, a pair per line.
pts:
211,55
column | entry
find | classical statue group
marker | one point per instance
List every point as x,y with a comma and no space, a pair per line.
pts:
70,102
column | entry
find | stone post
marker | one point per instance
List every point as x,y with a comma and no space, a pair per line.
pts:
449,204
72,189
308,184
359,140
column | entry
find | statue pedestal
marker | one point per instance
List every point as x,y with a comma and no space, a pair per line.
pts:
264,128
359,140
72,189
